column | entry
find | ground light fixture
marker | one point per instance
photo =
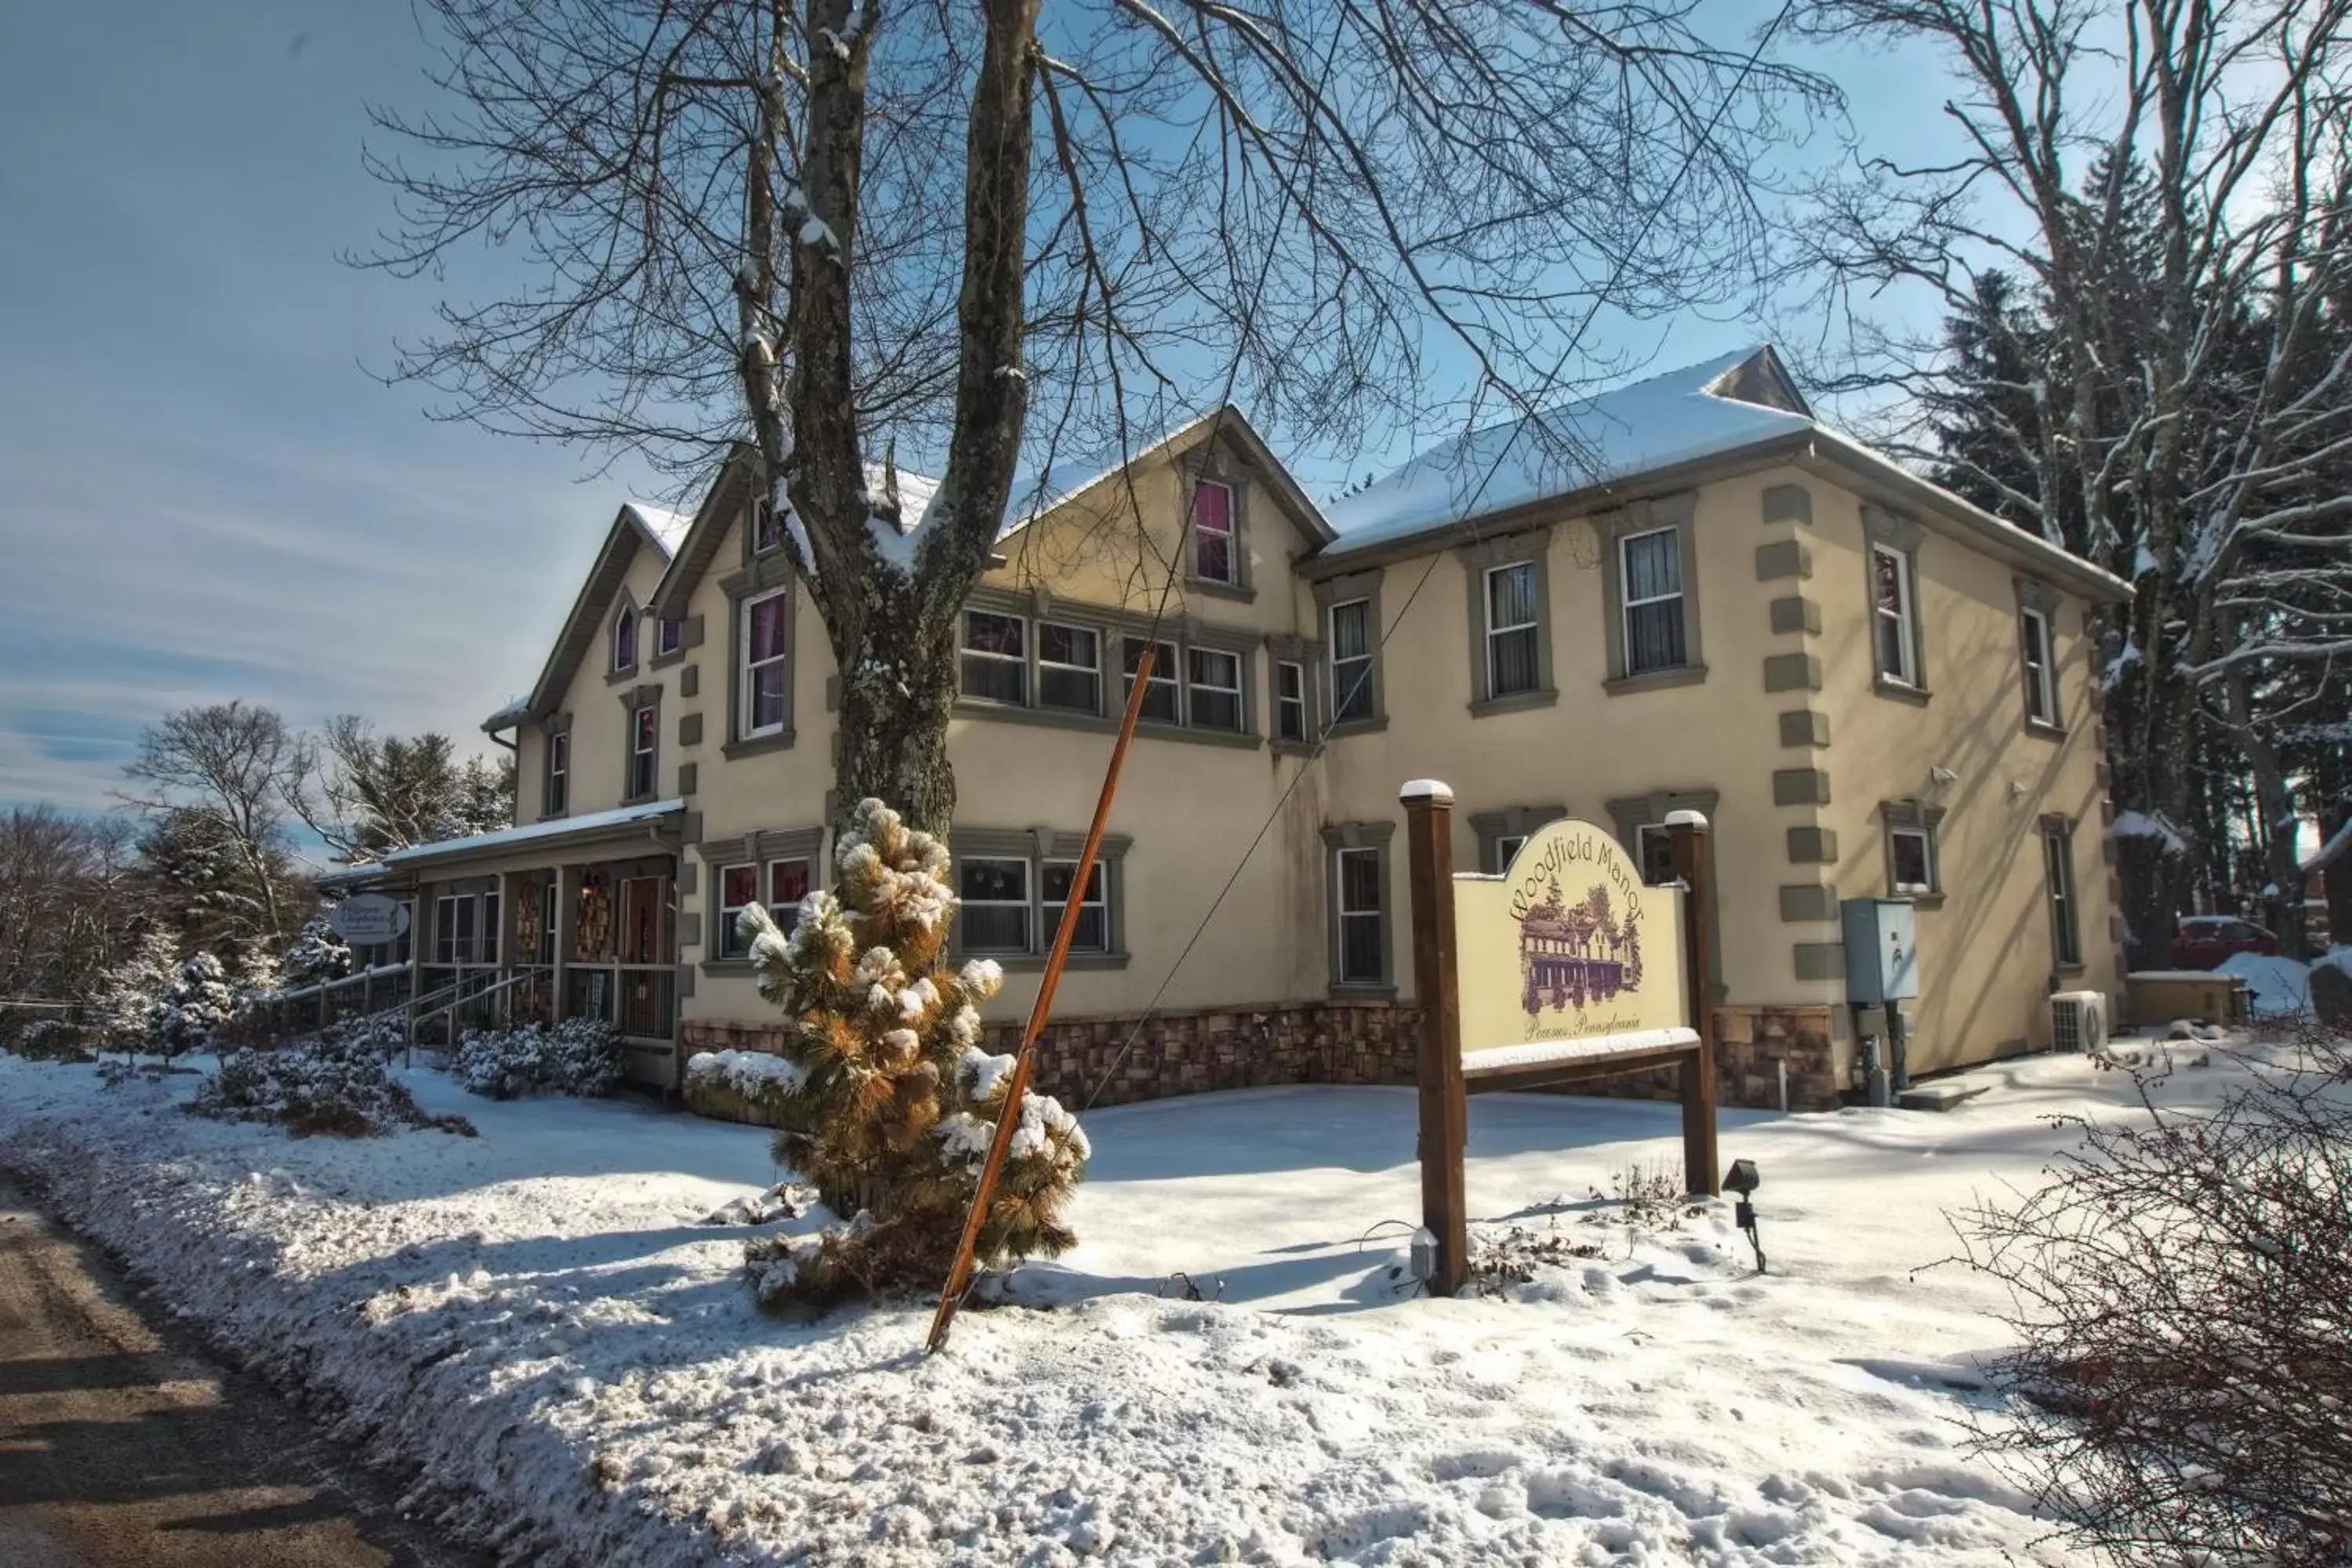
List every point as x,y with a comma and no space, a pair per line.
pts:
1743,1178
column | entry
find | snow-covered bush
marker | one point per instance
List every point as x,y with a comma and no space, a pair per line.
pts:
888,1105
576,1056
192,1008
2182,1311
316,956
335,1082
47,1039
132,988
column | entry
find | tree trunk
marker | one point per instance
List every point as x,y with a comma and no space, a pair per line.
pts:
897,690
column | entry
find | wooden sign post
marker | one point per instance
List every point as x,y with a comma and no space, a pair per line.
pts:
1444,1118
1567,968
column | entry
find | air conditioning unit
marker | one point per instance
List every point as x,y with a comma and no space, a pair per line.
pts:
2078,1020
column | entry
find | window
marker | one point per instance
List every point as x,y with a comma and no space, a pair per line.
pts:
551,895
645,740
669,635
1364,924
1507,845
1053,878
559,771
1290,702
1650,567
2041,672
1911,854
1069,668
1160,701
624,639
766,675
738,888
763,526
2058,861
995,657
1351,659
1215,557
487,943
1511,663
1216,689
788,884
457,929
1655,852
1890,598
995,897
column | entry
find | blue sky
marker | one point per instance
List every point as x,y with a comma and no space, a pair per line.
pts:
202,495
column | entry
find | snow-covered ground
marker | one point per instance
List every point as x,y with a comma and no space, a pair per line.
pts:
533,1323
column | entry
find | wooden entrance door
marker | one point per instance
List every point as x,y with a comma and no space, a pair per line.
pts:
642,910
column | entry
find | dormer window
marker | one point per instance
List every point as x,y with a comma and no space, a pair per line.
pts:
763,526
624,639
669,635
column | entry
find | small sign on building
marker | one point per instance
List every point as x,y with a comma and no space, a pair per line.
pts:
366,919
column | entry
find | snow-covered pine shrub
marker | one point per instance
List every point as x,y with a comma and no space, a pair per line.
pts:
132,989
315,956
192,1008
334,1083
893,1104
49,1039
577,1057
2181,1304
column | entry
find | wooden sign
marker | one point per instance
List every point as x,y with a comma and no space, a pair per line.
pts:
1566,968
1566,947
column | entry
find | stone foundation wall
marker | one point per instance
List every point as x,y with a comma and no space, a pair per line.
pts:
1334,1042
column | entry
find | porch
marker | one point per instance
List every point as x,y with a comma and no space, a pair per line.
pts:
570,918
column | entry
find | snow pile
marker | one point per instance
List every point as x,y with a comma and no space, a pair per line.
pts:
334,1083
534,1326
2281,986
576,1056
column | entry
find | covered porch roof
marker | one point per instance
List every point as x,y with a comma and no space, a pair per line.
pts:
559,840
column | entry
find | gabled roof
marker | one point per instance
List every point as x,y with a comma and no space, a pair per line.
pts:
1731,401
637,525
1737,407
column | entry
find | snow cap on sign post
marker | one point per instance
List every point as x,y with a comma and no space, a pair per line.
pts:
1427,789
1685,817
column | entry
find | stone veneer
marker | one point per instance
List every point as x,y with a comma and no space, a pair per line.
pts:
1336,1042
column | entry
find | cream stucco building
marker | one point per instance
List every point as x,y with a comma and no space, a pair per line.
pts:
1691,593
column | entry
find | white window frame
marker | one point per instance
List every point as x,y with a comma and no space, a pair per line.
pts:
1679,598
1642,836
1230,534
645,749
789,910
1193,685
747,671
1092,672
1025,904
1019,661
2066,914
729,945
1906,616
1532,626
1286,702
2041,674
1506,845
1342,686
625,624
1167,671
765,534
559,773
1342,914
669,635
1926,837
1050,908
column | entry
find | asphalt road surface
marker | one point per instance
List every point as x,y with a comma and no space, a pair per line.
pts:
121,1444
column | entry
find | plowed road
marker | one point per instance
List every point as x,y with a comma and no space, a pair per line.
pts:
120,1443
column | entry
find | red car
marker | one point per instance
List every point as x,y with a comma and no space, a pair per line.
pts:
2204,942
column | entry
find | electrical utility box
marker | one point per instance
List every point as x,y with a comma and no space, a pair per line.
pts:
1882,951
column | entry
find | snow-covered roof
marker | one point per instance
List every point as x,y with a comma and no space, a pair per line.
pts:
663,530
560,828
351,876
517,709
2327,854
1670,418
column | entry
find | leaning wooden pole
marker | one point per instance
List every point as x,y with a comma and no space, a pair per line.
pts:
1008,1120
1686,832
1436,972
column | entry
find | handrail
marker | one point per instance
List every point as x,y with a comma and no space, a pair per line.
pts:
516,978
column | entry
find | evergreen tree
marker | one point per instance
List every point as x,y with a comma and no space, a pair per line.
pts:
134,987
192,1008
318,955
892,1104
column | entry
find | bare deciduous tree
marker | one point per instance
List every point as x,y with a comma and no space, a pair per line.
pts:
367,795
2171,180
231,766
63,913
994,237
